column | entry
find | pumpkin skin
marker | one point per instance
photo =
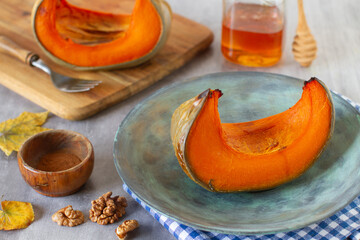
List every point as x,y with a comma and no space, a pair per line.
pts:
129,41
255,155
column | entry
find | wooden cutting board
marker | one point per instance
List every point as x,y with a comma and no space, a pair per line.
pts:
186,39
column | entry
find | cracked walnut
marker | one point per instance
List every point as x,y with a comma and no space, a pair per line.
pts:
127,226
67,216
107,209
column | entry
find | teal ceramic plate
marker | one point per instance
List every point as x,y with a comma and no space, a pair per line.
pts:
145,159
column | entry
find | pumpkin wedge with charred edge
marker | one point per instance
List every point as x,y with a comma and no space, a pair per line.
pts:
123,40
255,155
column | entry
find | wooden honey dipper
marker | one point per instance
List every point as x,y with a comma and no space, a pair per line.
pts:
304,45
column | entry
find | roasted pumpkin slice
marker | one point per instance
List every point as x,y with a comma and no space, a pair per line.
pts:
82,39
255,155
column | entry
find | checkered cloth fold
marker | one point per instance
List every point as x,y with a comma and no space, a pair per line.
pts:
345,224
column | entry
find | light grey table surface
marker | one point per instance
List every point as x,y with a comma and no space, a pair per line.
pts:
336,27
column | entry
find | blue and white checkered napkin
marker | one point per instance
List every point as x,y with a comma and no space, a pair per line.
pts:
344,224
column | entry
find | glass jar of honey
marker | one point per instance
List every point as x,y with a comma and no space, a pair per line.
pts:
252,31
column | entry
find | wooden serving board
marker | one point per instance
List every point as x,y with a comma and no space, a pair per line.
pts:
186,39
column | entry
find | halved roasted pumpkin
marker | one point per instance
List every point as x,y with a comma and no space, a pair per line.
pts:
255,155
88,40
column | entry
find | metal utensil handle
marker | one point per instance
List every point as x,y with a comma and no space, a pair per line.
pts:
9,47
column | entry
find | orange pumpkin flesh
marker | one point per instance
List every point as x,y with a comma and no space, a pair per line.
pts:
132,36
84,26
256,155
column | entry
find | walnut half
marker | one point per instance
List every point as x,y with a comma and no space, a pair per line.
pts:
127,226
107,209
67,216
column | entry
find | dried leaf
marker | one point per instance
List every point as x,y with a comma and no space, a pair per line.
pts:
14,132
16,215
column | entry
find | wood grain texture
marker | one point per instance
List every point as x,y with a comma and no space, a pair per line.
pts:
41,146
7,46
186,39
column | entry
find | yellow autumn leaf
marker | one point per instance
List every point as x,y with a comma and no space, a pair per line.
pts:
14,132
16,215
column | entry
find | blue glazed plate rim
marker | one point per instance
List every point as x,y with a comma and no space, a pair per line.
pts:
223,229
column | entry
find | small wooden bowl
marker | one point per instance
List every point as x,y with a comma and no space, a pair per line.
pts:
56,162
